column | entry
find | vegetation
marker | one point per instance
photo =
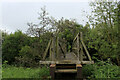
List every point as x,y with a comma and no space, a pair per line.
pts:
101,36
22,72
101,69
105,31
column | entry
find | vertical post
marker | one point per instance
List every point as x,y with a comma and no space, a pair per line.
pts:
50,51
51,46
53,49
79,71
78,48
57,53
81,48
52,71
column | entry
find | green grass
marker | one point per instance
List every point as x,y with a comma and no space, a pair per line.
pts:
20,72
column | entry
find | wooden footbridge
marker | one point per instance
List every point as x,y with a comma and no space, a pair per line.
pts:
62,61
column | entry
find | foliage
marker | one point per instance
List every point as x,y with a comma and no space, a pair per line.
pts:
29,56
87,70
67,30
4,34
12,45
20,49
101,69
106,71
103,36
26,57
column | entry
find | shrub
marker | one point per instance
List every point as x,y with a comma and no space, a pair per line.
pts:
101,69
105,70
12,44
87,70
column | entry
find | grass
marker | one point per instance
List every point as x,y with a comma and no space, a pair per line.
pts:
21,72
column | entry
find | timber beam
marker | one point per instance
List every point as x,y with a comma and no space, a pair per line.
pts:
63,62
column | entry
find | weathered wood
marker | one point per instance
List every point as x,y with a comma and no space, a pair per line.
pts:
50,51
78,47
57,51
62,49
75,37
69,62
52,70
66,71
53,49
79,71
74,48
87,62
85,49
81,48
45,53
81,53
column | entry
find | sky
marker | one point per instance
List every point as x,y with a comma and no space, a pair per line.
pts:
15,14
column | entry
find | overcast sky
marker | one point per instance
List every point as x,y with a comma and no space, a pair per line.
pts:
14,14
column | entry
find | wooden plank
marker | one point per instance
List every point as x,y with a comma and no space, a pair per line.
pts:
66,71
45,53
48,62
87,62
74,48
86,51
62,62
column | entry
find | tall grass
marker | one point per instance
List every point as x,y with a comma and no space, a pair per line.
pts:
21,72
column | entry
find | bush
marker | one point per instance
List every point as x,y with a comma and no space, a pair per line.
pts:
101,69
12,44
87,70
105,70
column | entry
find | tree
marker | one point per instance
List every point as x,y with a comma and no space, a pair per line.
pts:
67,30
12,44
37,29
103,36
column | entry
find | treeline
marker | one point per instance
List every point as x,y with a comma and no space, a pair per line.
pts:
100,34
